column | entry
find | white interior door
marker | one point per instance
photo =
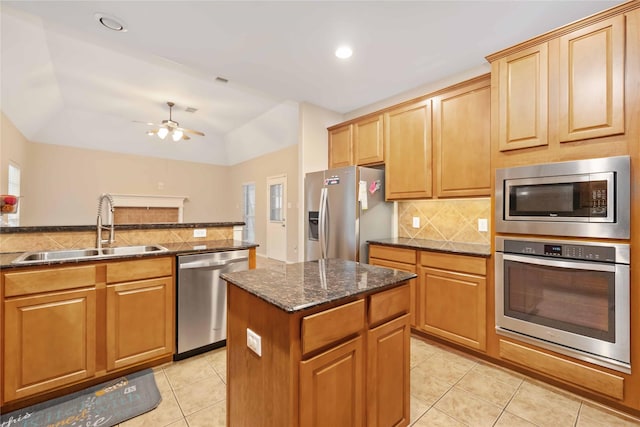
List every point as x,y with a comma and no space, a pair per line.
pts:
276,221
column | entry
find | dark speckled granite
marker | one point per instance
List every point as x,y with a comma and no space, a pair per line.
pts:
475,249
295,287
67,228
173,249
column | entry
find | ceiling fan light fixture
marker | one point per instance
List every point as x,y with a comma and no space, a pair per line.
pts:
176,135
163,132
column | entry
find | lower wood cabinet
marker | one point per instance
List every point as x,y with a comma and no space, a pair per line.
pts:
62,325
452,293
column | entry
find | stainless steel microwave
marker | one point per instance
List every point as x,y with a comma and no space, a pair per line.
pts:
583,198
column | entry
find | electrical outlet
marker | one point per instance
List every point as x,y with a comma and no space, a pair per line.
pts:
254,342
199,232
416,222
482,224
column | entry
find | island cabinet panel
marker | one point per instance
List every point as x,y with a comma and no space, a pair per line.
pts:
400,259
332,387
49,341
452,292
407,132
368,141
330,326
388,397
139,321
341,146
462,140
591,81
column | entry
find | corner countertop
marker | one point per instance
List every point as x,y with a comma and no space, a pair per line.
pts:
181,248
474,249
300,286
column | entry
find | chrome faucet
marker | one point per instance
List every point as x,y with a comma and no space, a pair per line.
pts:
99,226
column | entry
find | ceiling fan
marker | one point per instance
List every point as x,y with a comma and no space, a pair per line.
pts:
169,127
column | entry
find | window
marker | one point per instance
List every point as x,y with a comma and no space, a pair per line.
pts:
13,187
275,210
249,212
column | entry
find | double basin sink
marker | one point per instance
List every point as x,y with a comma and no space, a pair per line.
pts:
92,253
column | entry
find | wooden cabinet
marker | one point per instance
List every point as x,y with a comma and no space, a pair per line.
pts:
368,141
347,365
332,387
407,132
49,333
388,397
452,293
522,91
65,325
591,81
462,140
566,88
400,259
341,146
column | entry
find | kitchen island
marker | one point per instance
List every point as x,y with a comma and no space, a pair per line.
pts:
318,343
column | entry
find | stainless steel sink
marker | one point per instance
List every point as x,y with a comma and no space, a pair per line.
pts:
93,253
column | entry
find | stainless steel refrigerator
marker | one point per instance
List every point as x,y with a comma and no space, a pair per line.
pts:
344,208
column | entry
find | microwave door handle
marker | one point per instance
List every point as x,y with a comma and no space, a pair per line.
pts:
574,265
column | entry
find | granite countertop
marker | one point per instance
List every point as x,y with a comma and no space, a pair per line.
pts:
154,226
296,287
475,249
182,248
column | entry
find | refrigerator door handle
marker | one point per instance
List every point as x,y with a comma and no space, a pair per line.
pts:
322,223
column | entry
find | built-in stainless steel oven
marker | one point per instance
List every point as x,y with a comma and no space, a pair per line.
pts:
565,295
584,198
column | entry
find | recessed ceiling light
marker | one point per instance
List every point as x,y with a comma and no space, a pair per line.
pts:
344,52
110,22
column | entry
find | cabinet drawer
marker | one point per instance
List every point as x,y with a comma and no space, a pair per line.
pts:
52,279
462,263
140,269
327,327
407,256
388,305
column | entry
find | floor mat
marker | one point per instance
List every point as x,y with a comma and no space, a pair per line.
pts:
103,405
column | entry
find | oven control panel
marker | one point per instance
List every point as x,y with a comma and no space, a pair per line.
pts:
563,250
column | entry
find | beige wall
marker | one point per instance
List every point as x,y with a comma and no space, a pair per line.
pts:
283,162
13,149
61,185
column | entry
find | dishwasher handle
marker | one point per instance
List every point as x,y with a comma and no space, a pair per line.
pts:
212,265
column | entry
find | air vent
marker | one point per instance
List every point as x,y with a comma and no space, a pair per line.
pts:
222,80
190,110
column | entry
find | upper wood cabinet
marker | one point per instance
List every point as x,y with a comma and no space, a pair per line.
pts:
522,93
462,140
591,81
407,132
341,146
368,141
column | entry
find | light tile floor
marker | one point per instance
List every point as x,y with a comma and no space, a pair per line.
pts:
448,388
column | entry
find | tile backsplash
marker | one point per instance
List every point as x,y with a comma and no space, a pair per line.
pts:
444,219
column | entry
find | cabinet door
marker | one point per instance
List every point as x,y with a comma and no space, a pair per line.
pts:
408,151
413,314
332,387
49,341
523,86
591,81
140,321
453,306
368,140
462,141
341,147
388,363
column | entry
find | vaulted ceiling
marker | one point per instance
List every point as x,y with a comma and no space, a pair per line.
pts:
68,80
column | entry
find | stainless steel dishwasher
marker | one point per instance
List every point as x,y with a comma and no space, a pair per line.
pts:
202,300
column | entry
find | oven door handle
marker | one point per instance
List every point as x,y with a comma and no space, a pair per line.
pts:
574,265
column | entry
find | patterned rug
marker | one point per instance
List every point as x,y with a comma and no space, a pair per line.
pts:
103,405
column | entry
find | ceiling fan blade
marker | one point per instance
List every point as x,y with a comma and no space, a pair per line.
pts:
146,123
195,132
185,137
